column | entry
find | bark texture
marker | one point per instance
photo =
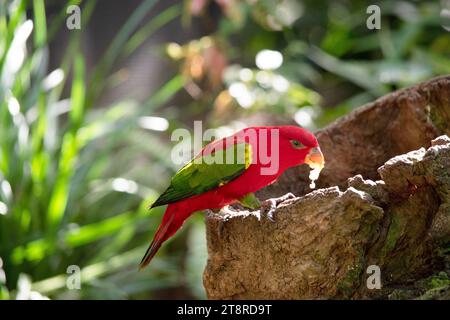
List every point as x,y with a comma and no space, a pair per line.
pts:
384,201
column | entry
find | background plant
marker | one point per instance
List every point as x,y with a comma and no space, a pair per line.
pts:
67,196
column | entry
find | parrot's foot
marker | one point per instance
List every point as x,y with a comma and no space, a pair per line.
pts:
269,206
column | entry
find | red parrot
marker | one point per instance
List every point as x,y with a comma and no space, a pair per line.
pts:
229,170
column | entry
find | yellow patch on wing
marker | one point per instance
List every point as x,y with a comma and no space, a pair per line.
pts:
248,155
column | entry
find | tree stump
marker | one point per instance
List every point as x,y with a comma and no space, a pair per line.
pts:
384,201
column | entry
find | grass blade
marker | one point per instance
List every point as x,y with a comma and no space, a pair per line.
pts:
40,23
69,150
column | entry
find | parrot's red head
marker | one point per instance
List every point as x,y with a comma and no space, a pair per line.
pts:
298,146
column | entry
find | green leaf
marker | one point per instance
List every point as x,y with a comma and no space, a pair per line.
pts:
40,23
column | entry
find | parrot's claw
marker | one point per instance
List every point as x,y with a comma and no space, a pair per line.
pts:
287,196
269,206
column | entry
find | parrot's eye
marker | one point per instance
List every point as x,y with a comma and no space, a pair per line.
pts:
297,144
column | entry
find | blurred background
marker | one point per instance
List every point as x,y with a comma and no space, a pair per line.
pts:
86,117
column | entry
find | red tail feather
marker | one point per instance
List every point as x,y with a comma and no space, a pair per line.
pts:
173,219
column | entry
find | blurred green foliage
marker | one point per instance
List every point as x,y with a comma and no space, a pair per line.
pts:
67,196
327,48
76,179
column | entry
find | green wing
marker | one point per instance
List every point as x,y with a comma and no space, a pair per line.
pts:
204,173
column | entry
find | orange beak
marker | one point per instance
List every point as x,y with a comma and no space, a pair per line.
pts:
315,159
